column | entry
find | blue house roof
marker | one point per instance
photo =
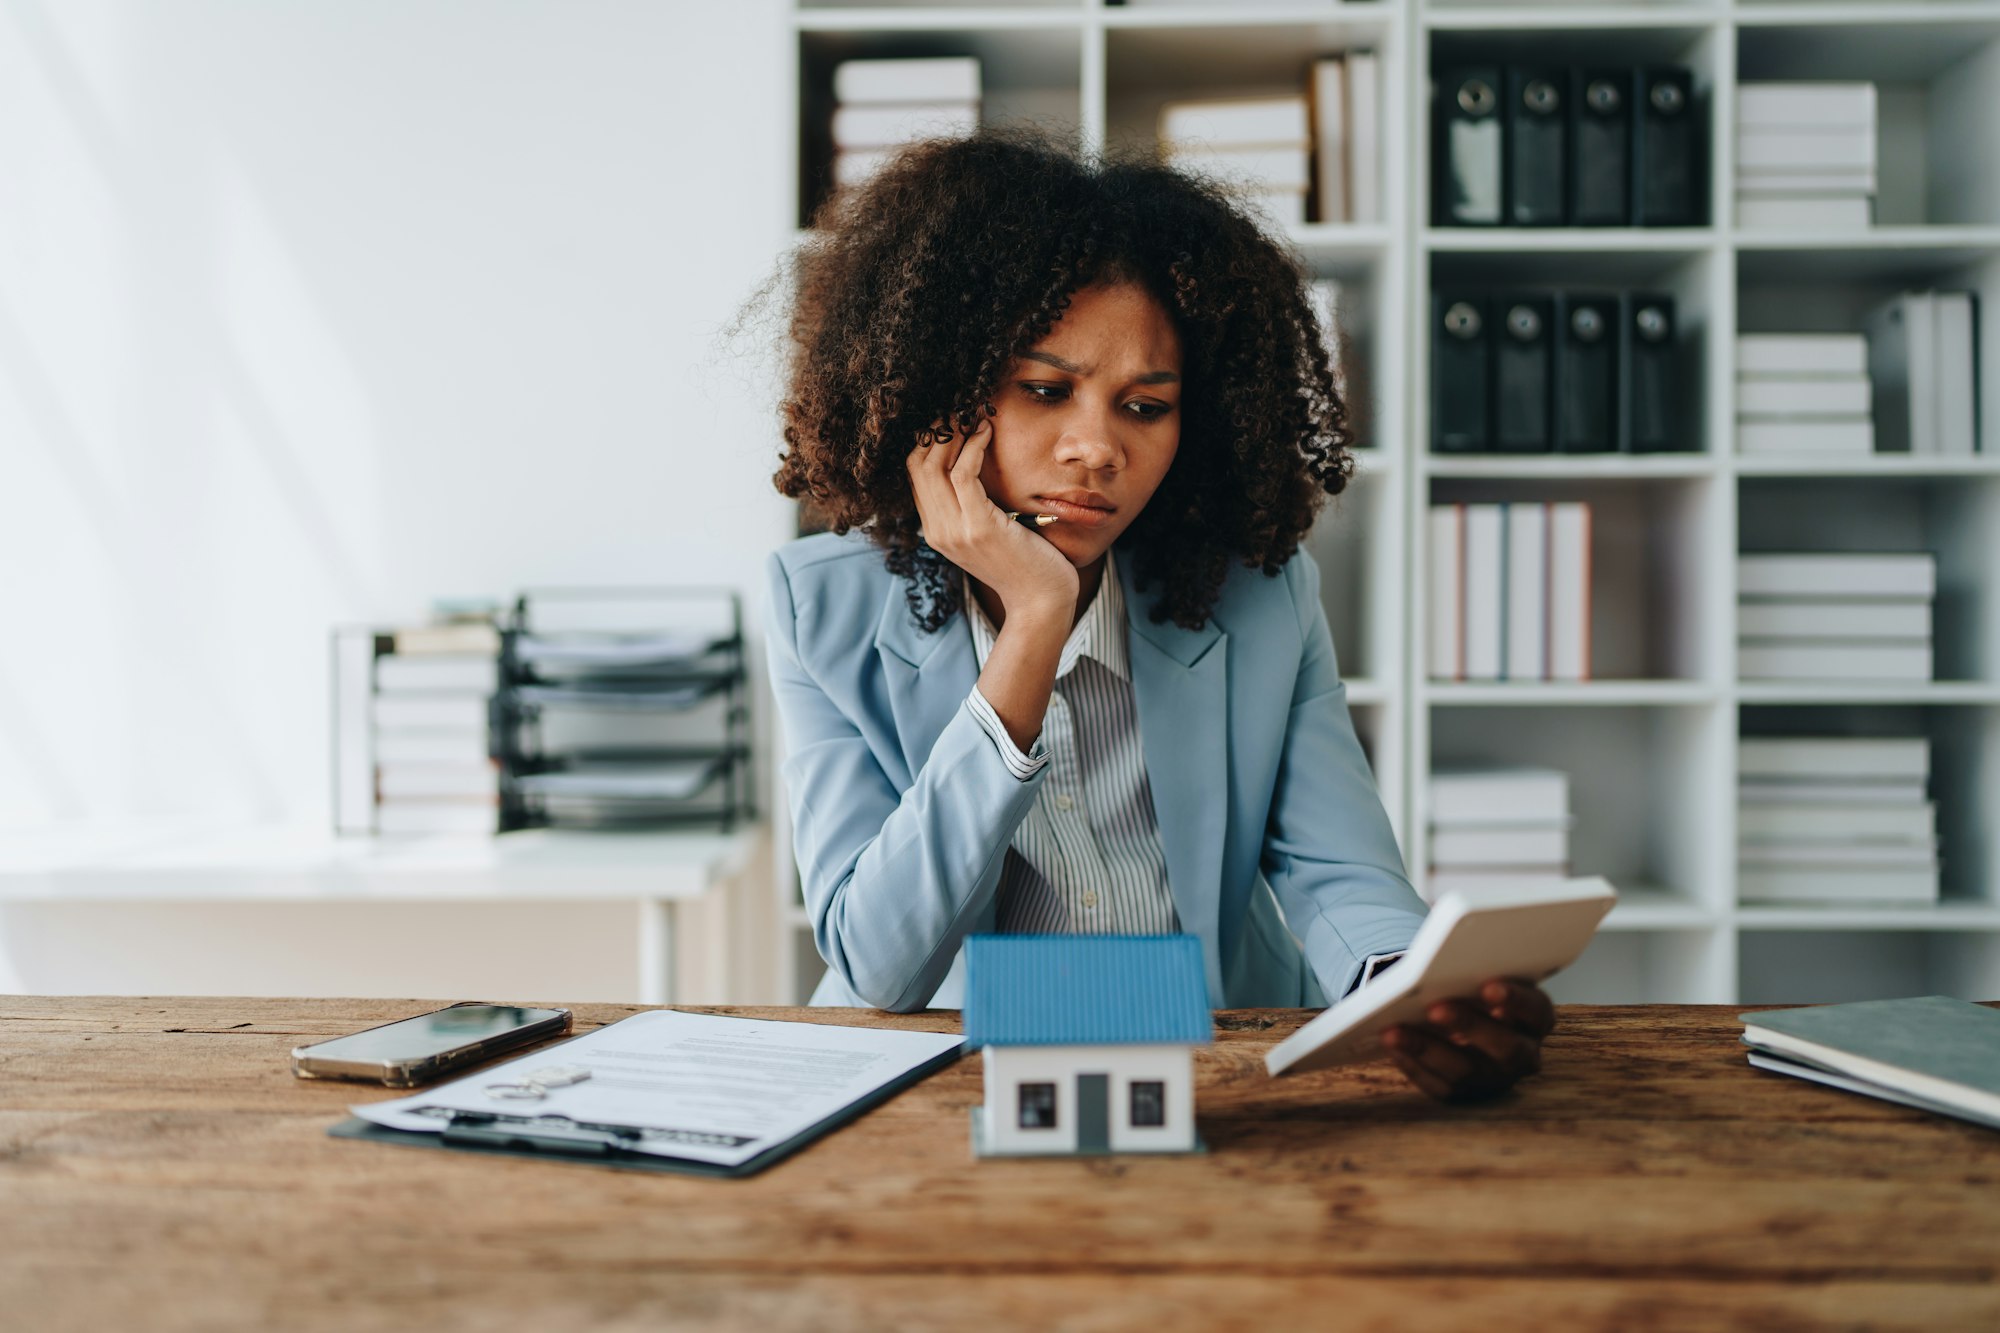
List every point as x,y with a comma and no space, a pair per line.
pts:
1078,990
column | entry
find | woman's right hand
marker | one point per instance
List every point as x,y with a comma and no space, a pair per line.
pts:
963,525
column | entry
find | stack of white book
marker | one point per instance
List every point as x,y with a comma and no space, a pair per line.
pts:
1347,139
433,773
881,105
1835,617
1510,592
1261,146
1835,819
1497,827
1805,155
1804,393
1923,356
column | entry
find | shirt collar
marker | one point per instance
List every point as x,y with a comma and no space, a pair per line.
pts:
1100,635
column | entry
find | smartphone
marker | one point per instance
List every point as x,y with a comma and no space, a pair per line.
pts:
412,1051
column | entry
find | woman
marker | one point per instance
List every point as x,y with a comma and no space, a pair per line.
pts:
1060,664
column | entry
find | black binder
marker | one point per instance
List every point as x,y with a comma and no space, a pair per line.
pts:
1534,147
1523,372
1665,149
1461,375
1586,379
1468,189
1600,147
1648,373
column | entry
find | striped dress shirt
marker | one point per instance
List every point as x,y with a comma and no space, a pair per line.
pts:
1087,858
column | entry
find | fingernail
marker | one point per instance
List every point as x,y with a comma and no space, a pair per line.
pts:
1394,1039
1494,992
1445,1016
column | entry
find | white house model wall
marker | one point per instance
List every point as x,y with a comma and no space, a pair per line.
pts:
1008,1067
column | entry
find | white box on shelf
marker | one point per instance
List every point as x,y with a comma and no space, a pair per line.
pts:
888,124
1247,122
1447,592
1837,574
1806,105
1759,821
1527,610
1836,884
1492,848
1856,660
1804,212
1841,396
1867,757
1499,796
1830,438
1569,591
1801,354
908,79
1873,618
1485,591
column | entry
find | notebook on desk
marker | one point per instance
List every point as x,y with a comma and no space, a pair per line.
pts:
1929,1051
666,1091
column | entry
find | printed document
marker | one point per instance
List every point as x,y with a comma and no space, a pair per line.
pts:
701,1087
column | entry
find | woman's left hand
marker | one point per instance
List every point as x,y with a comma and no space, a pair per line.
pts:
1472,1050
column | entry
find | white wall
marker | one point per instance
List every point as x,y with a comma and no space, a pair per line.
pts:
312,311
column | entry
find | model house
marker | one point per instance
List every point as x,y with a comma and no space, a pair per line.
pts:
1088,1041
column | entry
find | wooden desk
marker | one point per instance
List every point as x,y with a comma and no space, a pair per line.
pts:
160,1168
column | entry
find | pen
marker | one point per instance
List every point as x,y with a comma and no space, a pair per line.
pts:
1031,520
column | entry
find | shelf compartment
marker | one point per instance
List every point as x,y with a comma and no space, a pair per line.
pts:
1937,76
1650,576
1648,811
1676,966
1957,519
1779,965
1156,56
1030,67
1965,778
1696,282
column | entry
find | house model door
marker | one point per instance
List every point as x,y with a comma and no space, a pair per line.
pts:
1093,1112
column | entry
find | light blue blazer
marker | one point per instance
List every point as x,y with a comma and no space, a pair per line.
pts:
902,809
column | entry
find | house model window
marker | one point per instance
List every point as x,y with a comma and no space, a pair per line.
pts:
1088,1041
1038,1106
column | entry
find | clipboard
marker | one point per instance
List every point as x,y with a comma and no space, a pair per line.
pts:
496,1133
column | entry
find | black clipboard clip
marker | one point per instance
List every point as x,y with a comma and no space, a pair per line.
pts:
540,1134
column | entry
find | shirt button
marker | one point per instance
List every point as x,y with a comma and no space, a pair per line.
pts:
1063,801
1089,899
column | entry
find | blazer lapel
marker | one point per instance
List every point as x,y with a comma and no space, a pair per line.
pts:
1180,682
929,674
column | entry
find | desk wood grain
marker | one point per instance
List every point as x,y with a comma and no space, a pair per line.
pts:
160,1168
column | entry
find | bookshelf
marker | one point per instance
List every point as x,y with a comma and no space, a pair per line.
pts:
1650,743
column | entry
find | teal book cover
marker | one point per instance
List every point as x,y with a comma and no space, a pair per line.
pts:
1929,1034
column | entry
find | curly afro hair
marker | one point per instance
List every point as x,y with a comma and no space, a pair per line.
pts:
916,290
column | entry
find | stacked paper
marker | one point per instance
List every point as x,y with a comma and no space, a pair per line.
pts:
1805,155
1803,393
1510,591
1497,827
1835,819
1835,617
1260,145
880,105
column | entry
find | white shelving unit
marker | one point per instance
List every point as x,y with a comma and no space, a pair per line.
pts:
1650,744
